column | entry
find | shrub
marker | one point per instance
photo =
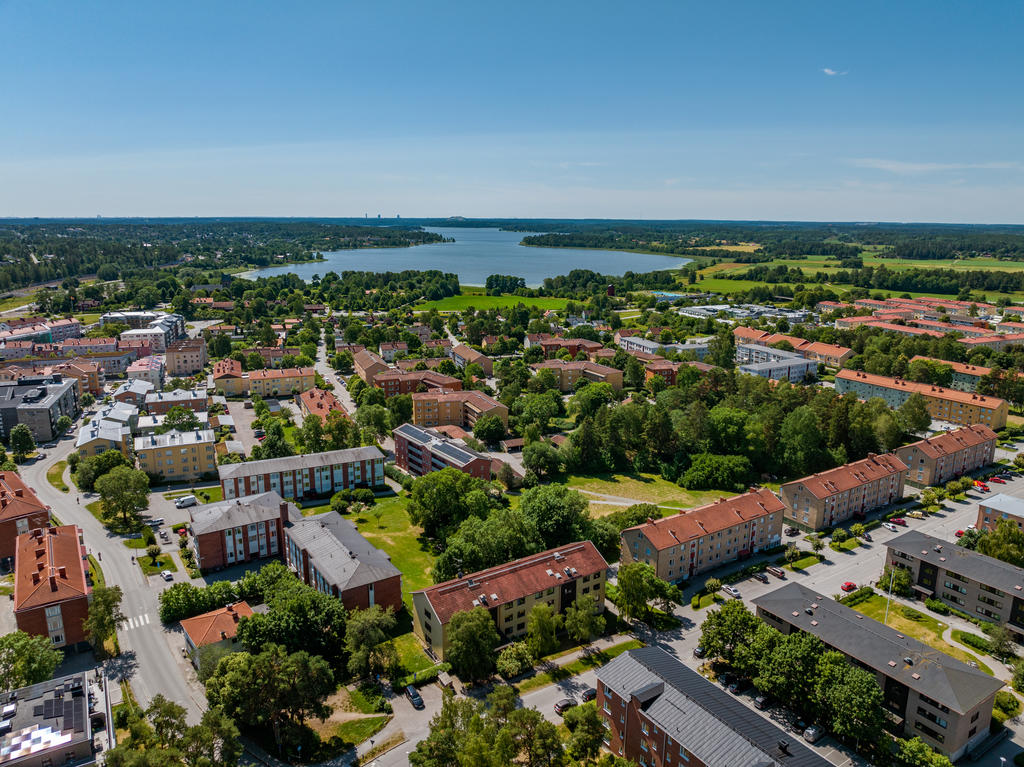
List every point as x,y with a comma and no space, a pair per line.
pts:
148,536
936,606
514,660
860,595
695,602
978,643
1006,706
425,676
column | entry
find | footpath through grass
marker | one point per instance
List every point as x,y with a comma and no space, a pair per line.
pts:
55,476
587,662
914,623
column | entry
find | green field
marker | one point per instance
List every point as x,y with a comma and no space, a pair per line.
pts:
643,488
585,663
400,539
477,301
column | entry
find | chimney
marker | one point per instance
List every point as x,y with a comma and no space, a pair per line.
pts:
53,583
20,492
62,571
284,514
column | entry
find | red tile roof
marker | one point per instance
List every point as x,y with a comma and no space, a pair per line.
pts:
321,402
516,579
924,389
958,367
710,518
49,567
227,368
216,625
16,498
851,475
271,373
954,441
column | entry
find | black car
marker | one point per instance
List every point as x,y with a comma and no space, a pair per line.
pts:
761,577
866,536
588,695
726,679
740,686
414,697
792,531
564,705
761,702
698,652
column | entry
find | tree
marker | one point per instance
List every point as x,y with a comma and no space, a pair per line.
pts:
472,638
792,553
898,580
802,443
508,477
587,401
153,552
502,536
274,445
817,544
123,493
104,615
727,629
179,418
441,500
1000,642
582,620
365,633
637,588
542,458
26,660
514,660
855,704
788,672
971,538
532,740
489,429
913,414
1005,543
311,434
88,399
559,514
587,728
22,442
857,530
916,753
63,424
542,625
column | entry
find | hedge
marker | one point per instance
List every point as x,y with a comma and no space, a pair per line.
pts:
937,606
424,676
860,595
973,640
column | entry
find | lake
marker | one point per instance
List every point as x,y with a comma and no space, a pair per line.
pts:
477,253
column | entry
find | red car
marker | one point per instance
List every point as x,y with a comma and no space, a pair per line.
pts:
849,586
959,533
899,521
983,488
998,481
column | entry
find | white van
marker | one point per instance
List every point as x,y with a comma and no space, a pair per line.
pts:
185,501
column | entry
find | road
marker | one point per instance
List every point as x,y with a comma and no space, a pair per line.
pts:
149,657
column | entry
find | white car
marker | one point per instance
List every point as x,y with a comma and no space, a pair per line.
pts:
167,575
731,591
890,526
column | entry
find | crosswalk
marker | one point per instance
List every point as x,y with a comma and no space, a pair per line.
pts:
134,622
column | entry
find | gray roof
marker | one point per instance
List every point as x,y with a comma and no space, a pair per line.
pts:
342,556
135,386
931,672
970,564
175,439
101,430
224,515
456,453
1004,503
178,395
288,463
712,724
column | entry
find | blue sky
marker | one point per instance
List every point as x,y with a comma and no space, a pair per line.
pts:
732,110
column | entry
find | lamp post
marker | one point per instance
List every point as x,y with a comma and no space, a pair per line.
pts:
892,581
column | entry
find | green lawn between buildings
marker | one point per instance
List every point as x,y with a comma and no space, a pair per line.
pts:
587,662
163,562
55,476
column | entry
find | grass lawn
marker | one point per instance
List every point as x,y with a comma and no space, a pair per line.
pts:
97,572
587,662
849,544
644,488
707,600
400,538
211,494
803,563
14,302
163,562
7,585
460,303
911,622
604,509
355,731
55,476
135,543
410,653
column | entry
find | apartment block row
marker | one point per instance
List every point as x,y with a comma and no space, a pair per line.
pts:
455,408
775,364
568,374
956,407
946,456
305,476
231,380
830,355
38,402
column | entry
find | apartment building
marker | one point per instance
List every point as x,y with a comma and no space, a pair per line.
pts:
965,377
852,490
659,712
134,391
556,345
775,364
150,369
38,402
152,424
240,529
830,355
412,363
556,577
946,456
99,436
569,373
994,341
51,590
319,403
329,554
463,355
367,365
388,350
305,476
395,382
87,374
178,456
20,512
943,700
455,408
229,379
61,330
669,371
421,451
281,382
700,539
971,582
159,402
968,331
956,407
273,356
999,507
904,330
186,357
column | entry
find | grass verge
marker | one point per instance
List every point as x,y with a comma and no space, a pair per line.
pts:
55,476
163,562
804,562
587,662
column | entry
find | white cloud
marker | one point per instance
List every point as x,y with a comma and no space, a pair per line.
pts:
833,72
903,168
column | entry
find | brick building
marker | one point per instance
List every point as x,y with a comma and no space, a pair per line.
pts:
51,590
946,456
834,496
159,402
229,378
282,382
319,403
699,539
367,364
305,476
463,355
20,511
408,381
240,530
569,373
421,451
455,408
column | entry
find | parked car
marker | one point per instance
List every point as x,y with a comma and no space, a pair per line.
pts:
792,531
866,537
726,679
731,591
588,695
984,489
997,480
185,501
970,527
899,521
167,575
761,577
247,404
799,725
849,586
564,705
916,514
414,697
740,686
761,702
959,533
258,433
778,572
698,652
978,483
890,526
813,734
156,522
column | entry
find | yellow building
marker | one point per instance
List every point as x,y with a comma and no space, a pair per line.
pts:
178,456
283,382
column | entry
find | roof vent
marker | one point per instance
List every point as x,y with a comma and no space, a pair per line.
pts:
809,611
908,660
892,664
